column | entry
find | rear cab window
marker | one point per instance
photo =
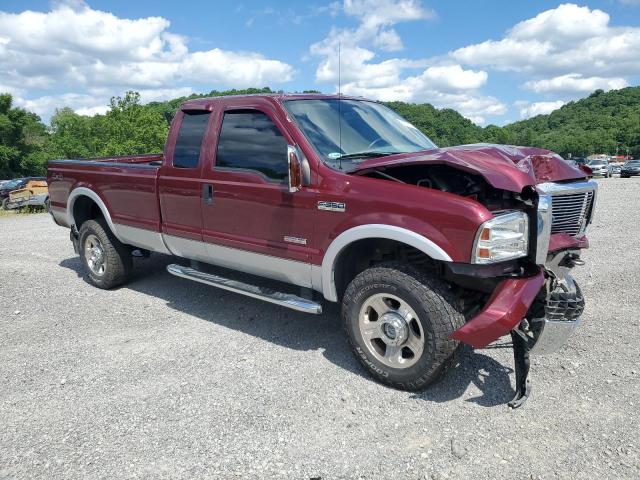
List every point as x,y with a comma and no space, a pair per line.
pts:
190,137
250,141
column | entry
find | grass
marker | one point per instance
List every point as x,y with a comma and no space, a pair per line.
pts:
22,211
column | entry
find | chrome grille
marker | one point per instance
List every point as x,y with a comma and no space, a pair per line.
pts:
571,212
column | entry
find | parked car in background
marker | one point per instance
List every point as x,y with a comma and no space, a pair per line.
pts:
599,168
615,168
630,169
7,186
29,192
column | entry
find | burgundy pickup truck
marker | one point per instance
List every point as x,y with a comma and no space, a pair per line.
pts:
425,247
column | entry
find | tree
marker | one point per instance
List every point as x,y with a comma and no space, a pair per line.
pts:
604,122
22,135
129,128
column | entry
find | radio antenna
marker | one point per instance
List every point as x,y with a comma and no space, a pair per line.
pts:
339,107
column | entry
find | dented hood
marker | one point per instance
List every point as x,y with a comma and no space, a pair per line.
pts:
503,166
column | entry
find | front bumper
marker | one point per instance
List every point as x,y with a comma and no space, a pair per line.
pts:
505,309
553,334
551,306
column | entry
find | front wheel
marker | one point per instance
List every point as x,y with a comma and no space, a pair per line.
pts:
106,260
398,321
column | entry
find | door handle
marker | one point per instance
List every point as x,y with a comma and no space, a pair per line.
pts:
207,193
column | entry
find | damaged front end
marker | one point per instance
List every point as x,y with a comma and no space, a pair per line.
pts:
518,279
540,307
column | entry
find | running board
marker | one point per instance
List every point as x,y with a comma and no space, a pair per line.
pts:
283,299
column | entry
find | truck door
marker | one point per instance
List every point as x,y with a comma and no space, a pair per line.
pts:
252,222
180,184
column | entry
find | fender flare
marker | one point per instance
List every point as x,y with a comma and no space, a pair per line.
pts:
86,192
374,230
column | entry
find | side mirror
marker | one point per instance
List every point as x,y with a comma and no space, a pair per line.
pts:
295,169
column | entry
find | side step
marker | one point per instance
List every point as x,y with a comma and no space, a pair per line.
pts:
283,299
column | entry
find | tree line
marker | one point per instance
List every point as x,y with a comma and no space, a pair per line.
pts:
604,122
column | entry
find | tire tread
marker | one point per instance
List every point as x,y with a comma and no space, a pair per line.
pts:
434,295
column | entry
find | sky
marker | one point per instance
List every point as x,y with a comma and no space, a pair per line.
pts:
494,61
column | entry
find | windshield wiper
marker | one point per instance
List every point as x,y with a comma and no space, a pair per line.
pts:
371,154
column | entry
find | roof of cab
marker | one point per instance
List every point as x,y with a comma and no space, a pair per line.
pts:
206,103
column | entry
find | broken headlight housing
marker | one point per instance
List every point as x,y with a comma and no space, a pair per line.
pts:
504,237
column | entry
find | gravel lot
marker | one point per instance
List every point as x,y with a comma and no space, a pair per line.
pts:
166,378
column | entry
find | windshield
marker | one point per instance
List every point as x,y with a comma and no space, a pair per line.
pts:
11,184
366,130
633,163
597,162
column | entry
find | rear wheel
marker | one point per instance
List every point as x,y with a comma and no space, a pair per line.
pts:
398,321
5,201
107,261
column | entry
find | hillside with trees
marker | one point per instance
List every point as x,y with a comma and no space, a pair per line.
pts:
604,122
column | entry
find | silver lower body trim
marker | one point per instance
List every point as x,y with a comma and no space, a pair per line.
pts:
283,299
276,268
141,238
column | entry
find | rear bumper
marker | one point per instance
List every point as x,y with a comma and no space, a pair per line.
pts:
505,309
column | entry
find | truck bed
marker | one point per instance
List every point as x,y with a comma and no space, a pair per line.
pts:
127,185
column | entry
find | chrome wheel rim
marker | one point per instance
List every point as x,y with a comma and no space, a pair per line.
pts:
391,330
94,255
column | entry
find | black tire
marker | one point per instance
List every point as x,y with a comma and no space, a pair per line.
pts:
5,201
432,301
47,205
117,256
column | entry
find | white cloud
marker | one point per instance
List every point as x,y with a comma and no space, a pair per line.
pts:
574,82
375,30
444,85
74,47
96,101
565,49
528,110
91,111
46,105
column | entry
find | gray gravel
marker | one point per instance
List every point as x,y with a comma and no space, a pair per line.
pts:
165,378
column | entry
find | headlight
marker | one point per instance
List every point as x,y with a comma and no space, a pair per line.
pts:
504,237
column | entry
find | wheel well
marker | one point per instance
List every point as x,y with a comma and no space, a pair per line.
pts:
84,208
362,254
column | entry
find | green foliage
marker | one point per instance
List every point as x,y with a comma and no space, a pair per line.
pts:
605,122
128,128
601,123
445,127
22,136
168,109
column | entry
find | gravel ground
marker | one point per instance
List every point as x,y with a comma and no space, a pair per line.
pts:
165,378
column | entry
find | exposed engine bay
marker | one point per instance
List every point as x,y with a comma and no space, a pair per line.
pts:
446,179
